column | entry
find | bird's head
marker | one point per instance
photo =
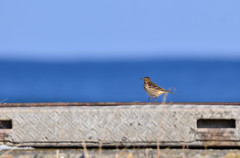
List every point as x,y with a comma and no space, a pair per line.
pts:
146,79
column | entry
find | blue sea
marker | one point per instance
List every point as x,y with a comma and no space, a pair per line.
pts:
119,81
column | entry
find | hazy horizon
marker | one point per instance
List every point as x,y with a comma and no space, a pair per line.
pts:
118,57
137,29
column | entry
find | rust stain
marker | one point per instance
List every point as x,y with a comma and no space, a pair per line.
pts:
4,135
216,134
213,143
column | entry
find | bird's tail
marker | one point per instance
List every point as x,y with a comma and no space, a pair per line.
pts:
170,91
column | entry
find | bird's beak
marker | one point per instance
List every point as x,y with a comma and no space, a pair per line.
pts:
142,78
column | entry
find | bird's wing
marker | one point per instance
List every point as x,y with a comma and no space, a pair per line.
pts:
153,85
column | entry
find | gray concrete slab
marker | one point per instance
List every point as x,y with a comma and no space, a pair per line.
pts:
135,124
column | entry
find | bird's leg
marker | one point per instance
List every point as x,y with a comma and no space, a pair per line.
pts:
155,99
149,99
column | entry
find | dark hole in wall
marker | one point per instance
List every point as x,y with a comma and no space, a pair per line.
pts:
5,124
216,123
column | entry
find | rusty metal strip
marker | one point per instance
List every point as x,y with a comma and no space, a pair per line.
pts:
111,104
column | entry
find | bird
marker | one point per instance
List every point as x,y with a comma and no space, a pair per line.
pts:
152,89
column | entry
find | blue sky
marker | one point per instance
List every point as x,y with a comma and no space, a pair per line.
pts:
113,29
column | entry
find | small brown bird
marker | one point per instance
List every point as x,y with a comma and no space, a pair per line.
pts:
152,89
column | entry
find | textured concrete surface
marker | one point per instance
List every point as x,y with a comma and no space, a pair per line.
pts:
123,153
124,125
